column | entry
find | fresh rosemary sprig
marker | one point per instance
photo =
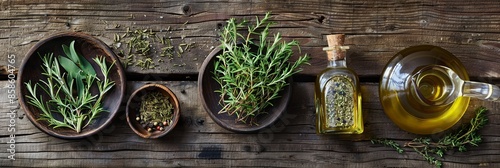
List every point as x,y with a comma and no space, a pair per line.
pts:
252,72
75,105
459,139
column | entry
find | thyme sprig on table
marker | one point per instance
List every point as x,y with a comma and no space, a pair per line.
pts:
252,72
69,92
459,139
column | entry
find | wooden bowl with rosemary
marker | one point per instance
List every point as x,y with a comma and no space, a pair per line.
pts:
210,100
152,111
71,85
245,83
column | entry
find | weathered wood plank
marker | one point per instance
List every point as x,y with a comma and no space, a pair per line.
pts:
376,30
197,140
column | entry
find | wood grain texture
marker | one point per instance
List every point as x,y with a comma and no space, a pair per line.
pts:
375,31
197,140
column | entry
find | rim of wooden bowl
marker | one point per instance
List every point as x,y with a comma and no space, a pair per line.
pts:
135,126
280,104
93,42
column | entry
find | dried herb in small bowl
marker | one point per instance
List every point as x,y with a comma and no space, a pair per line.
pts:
152,111
155,111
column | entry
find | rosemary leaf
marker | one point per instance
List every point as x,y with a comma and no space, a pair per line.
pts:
77,108
252,73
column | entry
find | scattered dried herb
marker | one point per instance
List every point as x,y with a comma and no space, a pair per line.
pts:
155,111
252,73
69,91
142,45
459,139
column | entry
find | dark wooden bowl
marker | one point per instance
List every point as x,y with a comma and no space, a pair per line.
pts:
89,47
210,100
134,103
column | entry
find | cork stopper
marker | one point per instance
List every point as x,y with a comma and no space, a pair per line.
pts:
335,49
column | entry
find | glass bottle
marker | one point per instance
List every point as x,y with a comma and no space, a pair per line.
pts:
337,93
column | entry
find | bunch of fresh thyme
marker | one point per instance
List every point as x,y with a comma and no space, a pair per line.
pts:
251,72
69,92
429,149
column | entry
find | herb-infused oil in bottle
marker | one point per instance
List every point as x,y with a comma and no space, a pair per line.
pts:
337,93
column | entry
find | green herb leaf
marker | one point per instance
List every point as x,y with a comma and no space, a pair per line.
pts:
79,86
87,67
70,67
66,50
73,55
75,109
458,139
75,64
80,61
251,74
388,143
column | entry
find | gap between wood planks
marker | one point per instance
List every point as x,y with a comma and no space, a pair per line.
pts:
131,76
194,77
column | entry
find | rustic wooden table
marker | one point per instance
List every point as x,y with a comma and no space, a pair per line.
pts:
375,30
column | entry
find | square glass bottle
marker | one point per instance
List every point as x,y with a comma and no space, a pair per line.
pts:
337,93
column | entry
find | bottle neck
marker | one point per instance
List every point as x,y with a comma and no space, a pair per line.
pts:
336,56
341,63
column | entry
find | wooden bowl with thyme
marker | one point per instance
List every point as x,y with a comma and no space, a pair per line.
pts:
152,111
71,85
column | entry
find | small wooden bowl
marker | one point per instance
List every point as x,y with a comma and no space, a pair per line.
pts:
89,47
210,100
134,103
